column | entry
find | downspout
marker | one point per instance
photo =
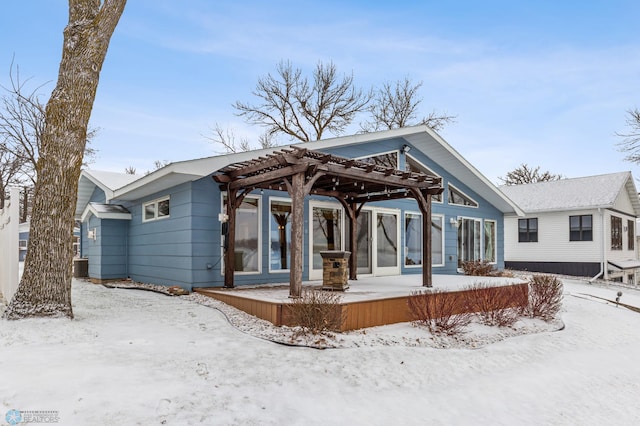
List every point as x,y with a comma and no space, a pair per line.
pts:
602,263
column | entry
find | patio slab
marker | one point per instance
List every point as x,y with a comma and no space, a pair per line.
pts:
369,301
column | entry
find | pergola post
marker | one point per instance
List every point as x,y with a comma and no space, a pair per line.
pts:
297,234
353,241
424,202
230,238
427,256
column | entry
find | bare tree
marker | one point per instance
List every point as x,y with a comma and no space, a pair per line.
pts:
45,287
130,170
231,144
22,121
305,109
631,142
395,105
525,174
10,171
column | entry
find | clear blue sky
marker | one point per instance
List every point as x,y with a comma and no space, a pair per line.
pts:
546,83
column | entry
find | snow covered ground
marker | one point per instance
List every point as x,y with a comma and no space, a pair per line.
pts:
139,357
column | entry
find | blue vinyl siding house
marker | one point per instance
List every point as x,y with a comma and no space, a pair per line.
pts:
167,227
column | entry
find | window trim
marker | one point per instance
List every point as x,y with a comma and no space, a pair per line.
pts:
155,209
495,240
631,234
450,185
281,200
407,155
404,230
618,242
528,219
582,229
223,194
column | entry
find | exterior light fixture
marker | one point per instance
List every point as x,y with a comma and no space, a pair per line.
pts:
454,222
405,149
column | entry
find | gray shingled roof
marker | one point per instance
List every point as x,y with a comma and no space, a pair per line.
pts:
573,194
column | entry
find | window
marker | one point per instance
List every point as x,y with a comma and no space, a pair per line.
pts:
389,159
247,241
490,241
631,235
413,240
616,233
581,228
413,165
280,235
460,198
157,209
22,244
528,230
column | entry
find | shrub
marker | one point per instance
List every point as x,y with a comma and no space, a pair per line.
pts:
440,312
545,296
494,307
317,311
480,268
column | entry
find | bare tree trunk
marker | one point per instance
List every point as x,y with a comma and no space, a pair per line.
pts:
45,288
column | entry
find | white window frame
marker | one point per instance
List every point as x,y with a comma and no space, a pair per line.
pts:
260,251
441,216
155,209
463,193
281,200
404,232
404,219
393,151
315,274
433,173
495,240
22,244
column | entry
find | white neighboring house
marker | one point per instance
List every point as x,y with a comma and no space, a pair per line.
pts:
581,226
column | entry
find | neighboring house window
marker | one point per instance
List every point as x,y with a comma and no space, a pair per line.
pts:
616,233
157,209
247,241
460,198
631,235
413,165
413,240
280,235
490,241
528,230
22,244
581,228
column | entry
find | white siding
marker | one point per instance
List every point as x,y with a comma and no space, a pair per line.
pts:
623,203
553,240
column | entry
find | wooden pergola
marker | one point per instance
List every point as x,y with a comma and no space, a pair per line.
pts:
352,182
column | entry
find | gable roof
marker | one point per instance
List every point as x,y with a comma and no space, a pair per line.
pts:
108,182
421,137
588,192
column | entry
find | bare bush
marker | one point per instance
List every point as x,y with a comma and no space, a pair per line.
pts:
495,306
317,312
440,312
545,297
480,268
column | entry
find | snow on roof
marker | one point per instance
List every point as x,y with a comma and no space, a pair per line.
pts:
113,180
572,194
129,187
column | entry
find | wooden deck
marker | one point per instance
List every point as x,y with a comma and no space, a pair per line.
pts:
372,311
